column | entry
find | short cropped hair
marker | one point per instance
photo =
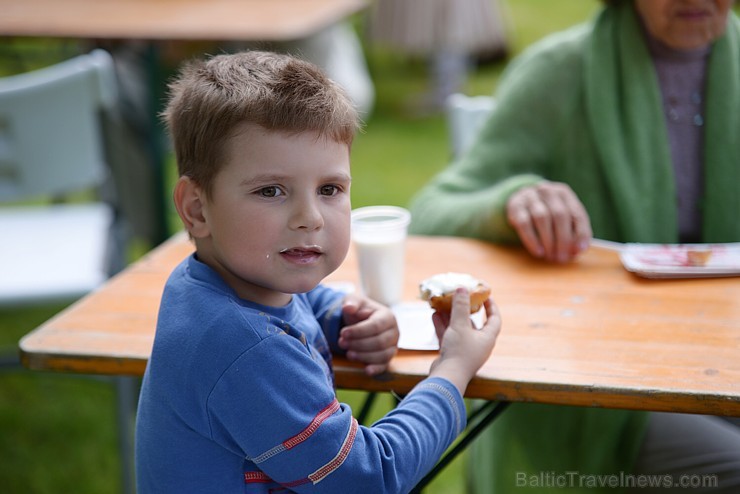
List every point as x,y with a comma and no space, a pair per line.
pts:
211,97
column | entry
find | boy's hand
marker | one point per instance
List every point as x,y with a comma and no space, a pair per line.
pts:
464,348
370,334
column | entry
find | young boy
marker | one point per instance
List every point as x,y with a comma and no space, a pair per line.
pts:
238,395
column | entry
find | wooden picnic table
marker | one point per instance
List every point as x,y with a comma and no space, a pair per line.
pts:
587,333
173,20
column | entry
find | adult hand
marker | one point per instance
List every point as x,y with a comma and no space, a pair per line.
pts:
550,221
370,334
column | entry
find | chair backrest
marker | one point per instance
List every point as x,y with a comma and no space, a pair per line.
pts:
465,115
51,116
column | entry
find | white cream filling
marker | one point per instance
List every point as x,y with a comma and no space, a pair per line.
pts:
445,283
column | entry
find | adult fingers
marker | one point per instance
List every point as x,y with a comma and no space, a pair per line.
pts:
524,210
560,234
550,220
582,232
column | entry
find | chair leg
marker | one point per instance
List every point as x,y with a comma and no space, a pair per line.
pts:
126,402
9,360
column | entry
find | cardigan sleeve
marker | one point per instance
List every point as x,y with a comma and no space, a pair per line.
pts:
514,148
275,407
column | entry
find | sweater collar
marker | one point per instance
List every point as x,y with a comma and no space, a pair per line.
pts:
202,273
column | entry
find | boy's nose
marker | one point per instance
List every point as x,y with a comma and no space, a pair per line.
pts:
307,216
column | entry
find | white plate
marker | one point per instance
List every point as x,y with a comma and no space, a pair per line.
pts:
416,327
672,260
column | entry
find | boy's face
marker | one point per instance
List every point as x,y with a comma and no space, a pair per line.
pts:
277,220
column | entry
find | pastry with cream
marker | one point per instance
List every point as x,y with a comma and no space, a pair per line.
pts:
439,289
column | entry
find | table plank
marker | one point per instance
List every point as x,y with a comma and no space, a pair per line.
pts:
174,20
587,333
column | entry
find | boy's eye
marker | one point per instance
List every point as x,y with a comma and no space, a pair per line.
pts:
328,190
271,191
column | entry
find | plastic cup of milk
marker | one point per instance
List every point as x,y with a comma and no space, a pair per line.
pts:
379,234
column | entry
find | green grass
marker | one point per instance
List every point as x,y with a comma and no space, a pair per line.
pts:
58,432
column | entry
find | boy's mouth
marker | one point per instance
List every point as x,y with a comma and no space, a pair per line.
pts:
302,255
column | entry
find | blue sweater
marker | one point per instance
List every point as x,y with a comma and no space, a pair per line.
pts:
239,397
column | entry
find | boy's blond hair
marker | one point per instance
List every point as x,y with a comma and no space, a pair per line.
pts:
278,92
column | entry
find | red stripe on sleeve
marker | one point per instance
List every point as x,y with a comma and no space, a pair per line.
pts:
324,414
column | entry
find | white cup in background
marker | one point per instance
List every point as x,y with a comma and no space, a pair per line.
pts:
379,234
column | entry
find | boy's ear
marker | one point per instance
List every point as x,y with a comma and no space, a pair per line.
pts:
189,200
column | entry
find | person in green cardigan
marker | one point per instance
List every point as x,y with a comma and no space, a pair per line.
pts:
625,128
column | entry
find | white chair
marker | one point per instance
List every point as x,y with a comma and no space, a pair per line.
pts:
465,115
51,146
54,124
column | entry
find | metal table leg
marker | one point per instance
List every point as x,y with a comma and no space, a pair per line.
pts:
491,409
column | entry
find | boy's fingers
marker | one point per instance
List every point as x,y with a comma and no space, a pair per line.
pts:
386,339
350,306
490,306
493,318
369,328
375,369
460,308
373,357
441,321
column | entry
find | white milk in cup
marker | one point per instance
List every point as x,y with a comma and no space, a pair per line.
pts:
379,235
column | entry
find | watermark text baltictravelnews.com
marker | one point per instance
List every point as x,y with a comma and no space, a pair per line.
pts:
571,479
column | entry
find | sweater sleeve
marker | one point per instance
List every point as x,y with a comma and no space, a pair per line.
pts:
275,407
326,304
513,149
